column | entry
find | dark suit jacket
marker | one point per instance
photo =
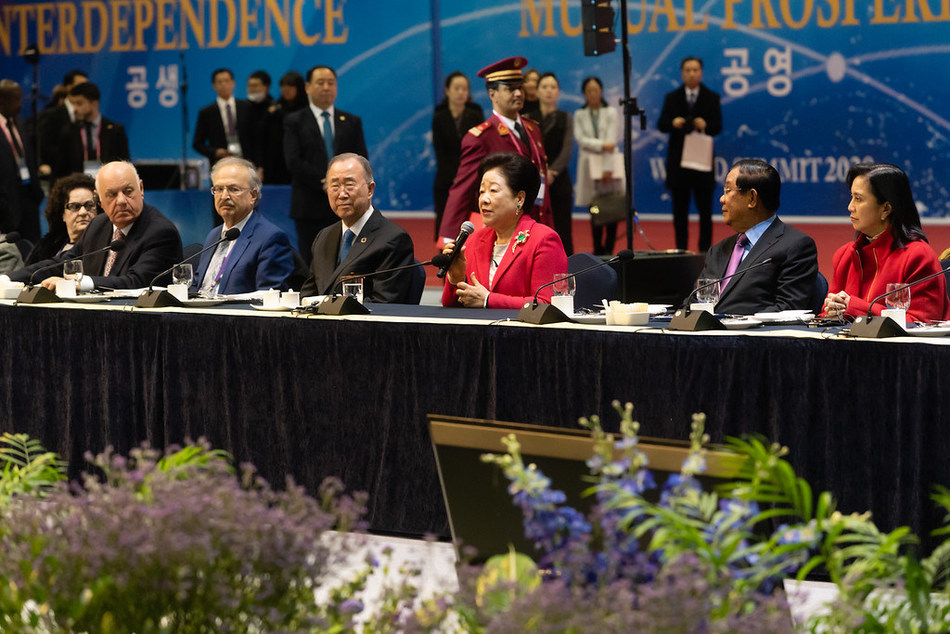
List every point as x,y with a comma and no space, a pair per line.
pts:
52,122
675,105
447,142
307,160
381,245
261,258
151,246
786,283
210,132
113,146
17,200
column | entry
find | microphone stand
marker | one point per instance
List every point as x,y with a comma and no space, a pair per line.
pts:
38,294
695,320
877,326
346,305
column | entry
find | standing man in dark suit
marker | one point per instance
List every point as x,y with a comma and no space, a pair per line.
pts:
313,136
362,241
224,128
53,121
504,131
690,108
749,201
261,257
152,243
93,140
20,192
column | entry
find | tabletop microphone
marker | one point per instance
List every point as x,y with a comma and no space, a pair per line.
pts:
40,295
151,298
345,305
535,313
12,237
694,320
464,232
877,327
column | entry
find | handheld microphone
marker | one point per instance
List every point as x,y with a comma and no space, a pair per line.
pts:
344,305
877,327
534,313
464,232
686,319
160,299
12,237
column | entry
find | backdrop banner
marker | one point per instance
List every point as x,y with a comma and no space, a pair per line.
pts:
810,86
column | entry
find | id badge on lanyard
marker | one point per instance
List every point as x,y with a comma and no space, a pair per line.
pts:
24,171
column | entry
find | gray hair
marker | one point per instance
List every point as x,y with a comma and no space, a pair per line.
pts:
256,183
346,156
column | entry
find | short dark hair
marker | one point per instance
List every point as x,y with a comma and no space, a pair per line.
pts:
596,80
318,67
763,178
86,89
263,75
551,75
448,82
520,173
529,71
71,76
218,71
58,196
890,184
691,58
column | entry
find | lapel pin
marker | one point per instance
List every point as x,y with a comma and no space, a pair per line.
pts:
363,240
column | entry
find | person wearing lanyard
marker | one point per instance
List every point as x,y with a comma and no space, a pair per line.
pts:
95,139
504,131
261,257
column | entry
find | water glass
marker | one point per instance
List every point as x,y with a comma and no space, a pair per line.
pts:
72,270
899,296
354,288
183,274
707,290
563,296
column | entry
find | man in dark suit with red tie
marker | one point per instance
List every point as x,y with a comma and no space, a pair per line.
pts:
92,140
313,136
20,192
504,131
690,108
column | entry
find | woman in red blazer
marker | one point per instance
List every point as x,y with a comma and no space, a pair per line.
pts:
890,247
503,263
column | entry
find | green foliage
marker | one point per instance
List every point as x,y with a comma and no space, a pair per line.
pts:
26,467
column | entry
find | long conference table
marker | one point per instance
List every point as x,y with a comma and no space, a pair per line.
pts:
311,396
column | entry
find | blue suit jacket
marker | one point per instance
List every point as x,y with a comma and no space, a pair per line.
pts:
261,258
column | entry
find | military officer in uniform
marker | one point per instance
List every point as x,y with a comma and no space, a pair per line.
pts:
504,131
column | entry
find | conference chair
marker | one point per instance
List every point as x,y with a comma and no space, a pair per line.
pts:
191,250
418,283
821,291
593,286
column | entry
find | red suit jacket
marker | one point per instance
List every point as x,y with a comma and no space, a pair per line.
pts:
884,263
525,266
486,138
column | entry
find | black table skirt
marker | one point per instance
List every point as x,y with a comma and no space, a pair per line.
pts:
312,398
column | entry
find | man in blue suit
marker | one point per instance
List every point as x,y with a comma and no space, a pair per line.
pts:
261,257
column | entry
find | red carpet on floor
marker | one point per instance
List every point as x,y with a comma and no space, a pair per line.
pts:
827,235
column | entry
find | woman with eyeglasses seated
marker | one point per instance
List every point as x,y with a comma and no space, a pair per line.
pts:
71,206
506,261
889,247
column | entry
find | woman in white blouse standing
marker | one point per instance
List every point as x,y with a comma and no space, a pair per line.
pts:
598,169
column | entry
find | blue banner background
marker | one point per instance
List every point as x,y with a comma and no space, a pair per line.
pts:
867,90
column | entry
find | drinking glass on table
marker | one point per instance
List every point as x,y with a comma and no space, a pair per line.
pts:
353,287
898,297
183,274
707,290
72,270
563,296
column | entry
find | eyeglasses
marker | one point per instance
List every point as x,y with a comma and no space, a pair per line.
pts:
726,190
349,188
234,190
89,205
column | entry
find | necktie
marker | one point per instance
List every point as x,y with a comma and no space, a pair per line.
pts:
734,261
327,134
17,148
232,132
521,132
90,145
111,259
348,237
213,275
691,99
